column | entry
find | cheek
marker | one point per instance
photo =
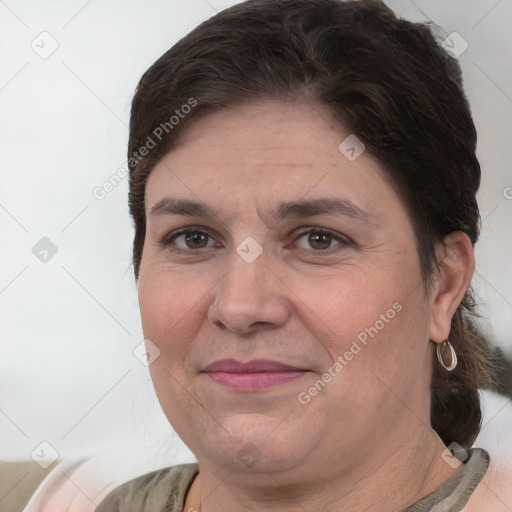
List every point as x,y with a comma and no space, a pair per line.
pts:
170,312
366,323
340,307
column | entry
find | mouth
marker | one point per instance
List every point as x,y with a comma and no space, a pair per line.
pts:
254,375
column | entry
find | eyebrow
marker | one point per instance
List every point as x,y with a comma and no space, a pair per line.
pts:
284,210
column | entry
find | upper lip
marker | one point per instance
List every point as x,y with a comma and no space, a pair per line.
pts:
256,365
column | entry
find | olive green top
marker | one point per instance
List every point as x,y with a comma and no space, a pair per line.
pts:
165,490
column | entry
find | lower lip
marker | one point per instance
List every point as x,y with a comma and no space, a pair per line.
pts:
255,381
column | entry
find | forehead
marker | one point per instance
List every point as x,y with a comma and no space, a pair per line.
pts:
272,150
274,132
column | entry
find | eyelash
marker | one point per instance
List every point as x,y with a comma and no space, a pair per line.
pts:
168,239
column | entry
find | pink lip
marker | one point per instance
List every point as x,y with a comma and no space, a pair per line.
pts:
252,376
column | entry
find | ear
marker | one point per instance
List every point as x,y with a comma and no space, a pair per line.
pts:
456,259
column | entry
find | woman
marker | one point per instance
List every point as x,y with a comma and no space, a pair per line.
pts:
303,180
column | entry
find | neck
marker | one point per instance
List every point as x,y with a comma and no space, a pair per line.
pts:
396,479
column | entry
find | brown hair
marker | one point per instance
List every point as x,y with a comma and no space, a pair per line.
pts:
388,82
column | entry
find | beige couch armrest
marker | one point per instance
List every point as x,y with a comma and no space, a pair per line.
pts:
18,481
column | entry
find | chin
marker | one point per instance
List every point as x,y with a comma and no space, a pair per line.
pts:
255,442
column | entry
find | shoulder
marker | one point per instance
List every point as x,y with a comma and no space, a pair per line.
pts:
494,492
155,491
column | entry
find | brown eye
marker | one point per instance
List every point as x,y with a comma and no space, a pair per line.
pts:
196,240
319,240
191,239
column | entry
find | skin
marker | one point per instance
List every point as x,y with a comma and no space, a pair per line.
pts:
365,438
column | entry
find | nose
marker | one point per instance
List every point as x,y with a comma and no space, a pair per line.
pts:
249,298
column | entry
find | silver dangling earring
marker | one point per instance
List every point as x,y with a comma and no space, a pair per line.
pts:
452,353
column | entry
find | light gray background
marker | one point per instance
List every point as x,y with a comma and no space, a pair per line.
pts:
68,327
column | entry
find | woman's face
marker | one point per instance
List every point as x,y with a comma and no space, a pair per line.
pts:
267,242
